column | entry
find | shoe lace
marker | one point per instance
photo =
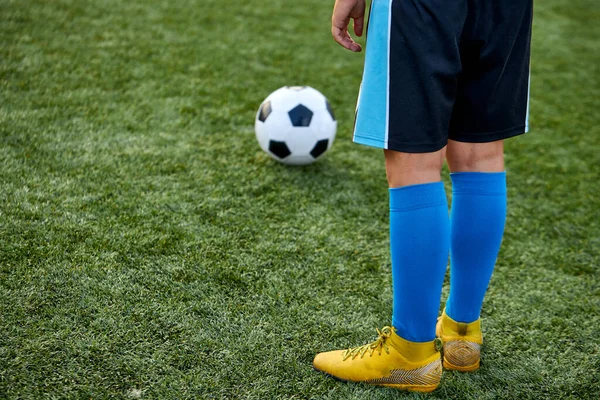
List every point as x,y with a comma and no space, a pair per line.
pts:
379,345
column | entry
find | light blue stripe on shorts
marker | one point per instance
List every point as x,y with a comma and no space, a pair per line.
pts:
372,118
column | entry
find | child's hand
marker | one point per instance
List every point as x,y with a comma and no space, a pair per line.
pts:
342,12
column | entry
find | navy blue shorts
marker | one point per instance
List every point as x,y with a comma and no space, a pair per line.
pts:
444,69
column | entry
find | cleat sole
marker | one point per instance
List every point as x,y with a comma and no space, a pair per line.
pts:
468,368
410,388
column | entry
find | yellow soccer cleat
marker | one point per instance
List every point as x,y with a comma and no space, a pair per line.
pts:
389,361
462,343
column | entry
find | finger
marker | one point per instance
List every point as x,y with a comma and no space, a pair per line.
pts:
344,39
358,25
355,47
340,21
339,36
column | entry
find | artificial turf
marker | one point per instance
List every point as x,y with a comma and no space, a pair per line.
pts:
149,249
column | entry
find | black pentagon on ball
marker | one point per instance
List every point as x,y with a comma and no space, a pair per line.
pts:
320,148
265,110
330,110
300,116
280,149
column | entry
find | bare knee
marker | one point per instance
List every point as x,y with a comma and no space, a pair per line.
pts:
413,168
475,157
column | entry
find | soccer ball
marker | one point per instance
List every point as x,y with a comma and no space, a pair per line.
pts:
295,125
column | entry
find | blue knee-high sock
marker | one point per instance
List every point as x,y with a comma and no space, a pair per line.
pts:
419,242
476,225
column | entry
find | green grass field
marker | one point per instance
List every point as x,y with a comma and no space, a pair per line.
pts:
149,249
